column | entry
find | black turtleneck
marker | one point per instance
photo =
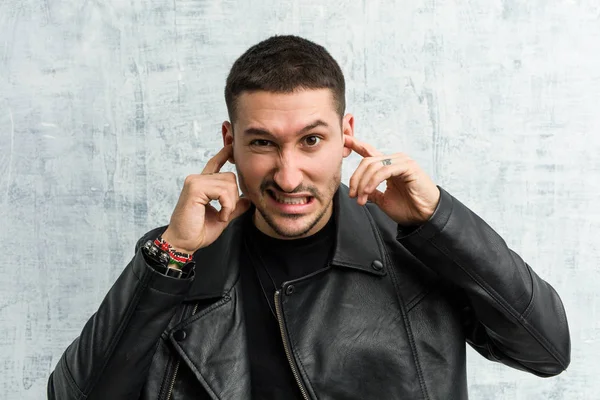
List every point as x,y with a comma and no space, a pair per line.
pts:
270,262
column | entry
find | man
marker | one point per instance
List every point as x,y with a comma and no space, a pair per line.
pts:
303,287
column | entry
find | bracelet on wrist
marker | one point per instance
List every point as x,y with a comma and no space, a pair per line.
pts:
175,257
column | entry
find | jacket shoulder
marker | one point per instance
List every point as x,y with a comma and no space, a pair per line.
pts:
386,226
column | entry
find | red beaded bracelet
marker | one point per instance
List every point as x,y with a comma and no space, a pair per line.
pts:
176,257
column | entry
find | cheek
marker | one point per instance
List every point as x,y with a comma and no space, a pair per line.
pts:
327,161
254,169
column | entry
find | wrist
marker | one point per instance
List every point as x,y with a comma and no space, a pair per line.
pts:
177,259
161,261
167,237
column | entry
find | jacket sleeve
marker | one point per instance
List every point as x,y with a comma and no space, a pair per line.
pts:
111,357
511,314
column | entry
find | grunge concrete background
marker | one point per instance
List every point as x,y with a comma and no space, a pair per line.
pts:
106,106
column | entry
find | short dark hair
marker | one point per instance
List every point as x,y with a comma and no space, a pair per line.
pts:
282,64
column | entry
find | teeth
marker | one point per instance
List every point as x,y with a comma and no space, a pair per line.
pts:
291,200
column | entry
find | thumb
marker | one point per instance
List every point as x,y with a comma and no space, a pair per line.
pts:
241,207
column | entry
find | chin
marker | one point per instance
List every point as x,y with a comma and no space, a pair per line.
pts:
292,226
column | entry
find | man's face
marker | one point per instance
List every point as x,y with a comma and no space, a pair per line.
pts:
288,151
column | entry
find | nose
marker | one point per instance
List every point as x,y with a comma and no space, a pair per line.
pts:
288,175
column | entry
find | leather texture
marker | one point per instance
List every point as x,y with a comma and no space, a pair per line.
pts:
389,318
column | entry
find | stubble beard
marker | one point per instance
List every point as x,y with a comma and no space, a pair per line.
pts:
318,195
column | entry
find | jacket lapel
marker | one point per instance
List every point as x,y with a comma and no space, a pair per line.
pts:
214,344
214,348
358,245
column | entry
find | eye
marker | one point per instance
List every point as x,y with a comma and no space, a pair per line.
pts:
261,143
312,141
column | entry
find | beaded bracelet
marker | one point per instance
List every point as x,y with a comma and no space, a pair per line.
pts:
176,257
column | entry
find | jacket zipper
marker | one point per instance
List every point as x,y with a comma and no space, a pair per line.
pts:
286,347
170,392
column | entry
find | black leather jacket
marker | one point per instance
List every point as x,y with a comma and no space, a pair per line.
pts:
388,319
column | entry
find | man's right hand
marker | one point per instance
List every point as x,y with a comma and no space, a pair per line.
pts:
195,223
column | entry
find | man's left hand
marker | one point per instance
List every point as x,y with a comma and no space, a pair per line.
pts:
410,197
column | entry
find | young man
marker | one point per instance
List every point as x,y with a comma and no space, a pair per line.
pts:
304,287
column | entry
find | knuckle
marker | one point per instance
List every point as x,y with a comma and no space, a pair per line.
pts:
227,192
222,190
373,167
230,176
189,180
364,162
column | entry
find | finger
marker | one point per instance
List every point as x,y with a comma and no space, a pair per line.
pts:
229,179
241,207
215,164
234,191
396,169
229,203
366,177
358,173
204,186
227,207
218,190
362,148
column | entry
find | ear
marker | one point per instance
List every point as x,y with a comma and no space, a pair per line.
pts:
227,131
347,129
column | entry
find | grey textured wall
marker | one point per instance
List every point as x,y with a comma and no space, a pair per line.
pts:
106,106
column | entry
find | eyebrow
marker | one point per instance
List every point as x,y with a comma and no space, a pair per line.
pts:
264,132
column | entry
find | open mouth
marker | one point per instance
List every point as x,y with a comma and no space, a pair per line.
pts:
293,200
